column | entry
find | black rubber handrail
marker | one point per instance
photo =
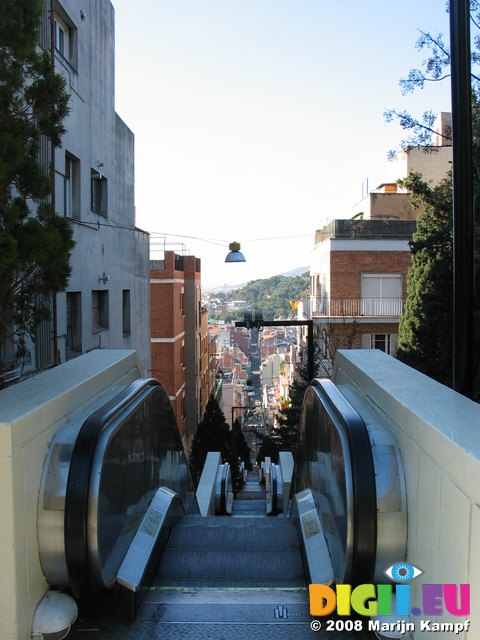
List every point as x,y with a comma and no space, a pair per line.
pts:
363,479
77,490
273,480
224,488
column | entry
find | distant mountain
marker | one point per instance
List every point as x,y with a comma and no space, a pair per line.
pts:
231,287
272,295
296,272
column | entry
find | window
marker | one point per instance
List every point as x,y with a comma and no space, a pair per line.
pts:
99,310
66,36
386,342
126,312
182,302
99,193
61,35
74,322
72,187
381,294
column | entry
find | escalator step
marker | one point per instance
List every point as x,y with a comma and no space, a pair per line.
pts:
226,569
232,552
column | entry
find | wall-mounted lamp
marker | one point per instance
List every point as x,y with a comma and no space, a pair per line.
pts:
235,254
104,278
100,166
83,15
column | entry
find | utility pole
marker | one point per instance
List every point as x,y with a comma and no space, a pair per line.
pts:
463,216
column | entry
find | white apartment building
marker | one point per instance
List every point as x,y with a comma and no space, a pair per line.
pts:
107,302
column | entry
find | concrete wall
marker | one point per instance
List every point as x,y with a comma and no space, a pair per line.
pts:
438,432
385,205
31,412
432,166
105,244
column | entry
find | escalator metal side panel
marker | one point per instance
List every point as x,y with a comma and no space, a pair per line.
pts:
98,480
121,457
140,564
317,563
392,520
51,498
335,461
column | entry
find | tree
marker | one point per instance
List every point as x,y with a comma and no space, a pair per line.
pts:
213,434
273,295
435,68
268,449
240,446
425,330
426,327
335,336
34,249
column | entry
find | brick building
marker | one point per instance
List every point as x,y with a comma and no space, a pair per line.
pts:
358,285
267,344
358,267
182,358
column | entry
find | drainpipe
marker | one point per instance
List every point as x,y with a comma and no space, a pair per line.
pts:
54,311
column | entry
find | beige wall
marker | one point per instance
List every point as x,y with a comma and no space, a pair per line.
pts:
438,432
30,414
432,166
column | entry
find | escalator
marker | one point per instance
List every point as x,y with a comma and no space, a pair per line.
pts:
119,526
239,552
99,481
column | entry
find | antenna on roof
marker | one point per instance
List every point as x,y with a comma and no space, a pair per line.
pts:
365,188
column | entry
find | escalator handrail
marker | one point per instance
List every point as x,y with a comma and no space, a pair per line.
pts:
224,488
273,481
77,490
363,479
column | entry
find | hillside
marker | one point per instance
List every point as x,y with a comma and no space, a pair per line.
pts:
272,296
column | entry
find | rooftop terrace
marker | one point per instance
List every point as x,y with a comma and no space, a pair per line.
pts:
356,229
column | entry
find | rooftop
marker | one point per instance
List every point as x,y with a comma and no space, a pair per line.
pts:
356,229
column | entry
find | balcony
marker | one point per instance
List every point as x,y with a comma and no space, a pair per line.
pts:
367,307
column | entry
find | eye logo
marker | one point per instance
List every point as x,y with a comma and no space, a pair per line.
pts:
402,572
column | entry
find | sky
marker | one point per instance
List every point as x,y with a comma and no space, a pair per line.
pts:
259,121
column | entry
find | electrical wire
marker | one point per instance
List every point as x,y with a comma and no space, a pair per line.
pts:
160,234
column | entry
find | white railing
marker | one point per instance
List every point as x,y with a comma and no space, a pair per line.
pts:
389,307
9,376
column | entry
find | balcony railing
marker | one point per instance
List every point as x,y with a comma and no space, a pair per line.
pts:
386,307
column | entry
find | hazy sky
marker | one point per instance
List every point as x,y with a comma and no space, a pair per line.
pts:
259,120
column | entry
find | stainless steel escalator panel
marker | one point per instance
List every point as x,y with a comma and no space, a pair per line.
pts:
99,479
335,461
